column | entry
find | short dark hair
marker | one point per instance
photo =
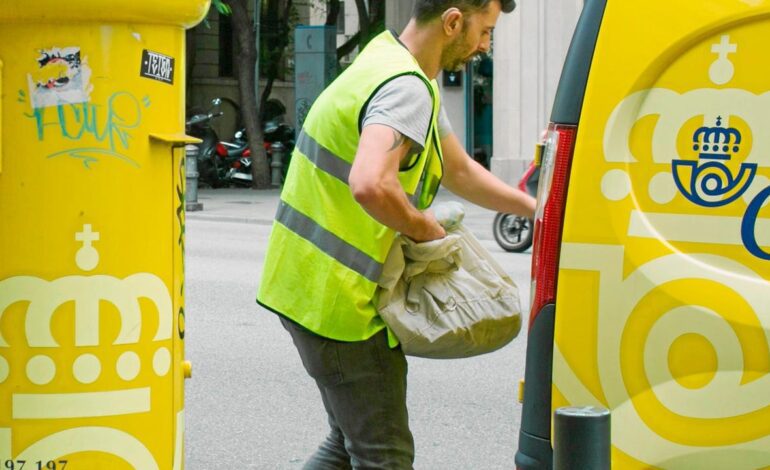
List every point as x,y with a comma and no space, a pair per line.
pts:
427,10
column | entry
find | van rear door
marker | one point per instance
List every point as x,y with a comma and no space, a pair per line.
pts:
651,264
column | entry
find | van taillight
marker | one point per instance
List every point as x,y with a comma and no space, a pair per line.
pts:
549,217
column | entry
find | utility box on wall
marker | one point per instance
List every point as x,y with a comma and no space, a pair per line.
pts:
315,66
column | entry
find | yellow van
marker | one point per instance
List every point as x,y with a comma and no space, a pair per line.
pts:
651,262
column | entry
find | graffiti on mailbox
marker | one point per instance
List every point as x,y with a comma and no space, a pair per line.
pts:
59,96
107,127
180,215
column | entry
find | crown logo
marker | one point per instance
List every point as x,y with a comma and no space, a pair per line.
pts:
709,182
86,291
95,373
716,143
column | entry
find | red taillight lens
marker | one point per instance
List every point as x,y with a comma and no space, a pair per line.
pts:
221,150
549,217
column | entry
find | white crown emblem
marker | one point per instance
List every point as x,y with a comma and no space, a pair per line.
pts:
96,368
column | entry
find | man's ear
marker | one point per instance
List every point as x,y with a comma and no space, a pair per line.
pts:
452,21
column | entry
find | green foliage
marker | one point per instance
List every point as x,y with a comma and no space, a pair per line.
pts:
222,8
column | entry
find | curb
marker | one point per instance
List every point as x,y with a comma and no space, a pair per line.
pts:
226,218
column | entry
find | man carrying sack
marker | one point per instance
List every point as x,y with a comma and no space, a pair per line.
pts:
367,165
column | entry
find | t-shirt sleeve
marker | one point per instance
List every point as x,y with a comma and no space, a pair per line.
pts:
444,125
405,105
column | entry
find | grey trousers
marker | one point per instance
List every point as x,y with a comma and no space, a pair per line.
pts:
363,388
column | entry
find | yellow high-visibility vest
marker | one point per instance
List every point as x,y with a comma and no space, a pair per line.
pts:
325,252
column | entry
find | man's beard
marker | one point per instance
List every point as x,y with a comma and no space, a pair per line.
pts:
456,65
453,59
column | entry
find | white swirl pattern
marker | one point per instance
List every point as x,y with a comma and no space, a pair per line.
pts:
723,397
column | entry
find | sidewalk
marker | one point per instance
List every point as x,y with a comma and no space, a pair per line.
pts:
244,205
239,205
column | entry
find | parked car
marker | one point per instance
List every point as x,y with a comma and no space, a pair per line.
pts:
651,259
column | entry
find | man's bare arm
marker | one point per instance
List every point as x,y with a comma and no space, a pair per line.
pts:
469,180
375,185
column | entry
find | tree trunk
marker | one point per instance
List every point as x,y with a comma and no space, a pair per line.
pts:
243,27
277,42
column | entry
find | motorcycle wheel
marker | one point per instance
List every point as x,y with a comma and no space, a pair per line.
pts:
512,232
207,172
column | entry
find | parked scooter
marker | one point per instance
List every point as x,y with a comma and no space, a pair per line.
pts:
199,125
275,130
513,232
238,154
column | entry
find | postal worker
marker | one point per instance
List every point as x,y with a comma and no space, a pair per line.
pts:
371,155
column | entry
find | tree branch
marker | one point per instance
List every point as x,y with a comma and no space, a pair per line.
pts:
349,46
332,12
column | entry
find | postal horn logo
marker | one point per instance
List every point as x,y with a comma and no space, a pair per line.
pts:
709,181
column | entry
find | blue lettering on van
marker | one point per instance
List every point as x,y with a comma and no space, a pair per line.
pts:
711,183
749,224
109,125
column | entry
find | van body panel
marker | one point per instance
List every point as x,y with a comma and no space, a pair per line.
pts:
662,309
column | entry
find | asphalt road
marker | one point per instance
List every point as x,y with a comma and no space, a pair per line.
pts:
250,404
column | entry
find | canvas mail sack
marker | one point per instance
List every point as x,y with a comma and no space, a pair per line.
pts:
448,298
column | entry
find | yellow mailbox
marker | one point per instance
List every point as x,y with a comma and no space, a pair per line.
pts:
92,233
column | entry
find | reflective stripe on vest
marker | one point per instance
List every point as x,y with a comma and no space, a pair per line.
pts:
323,158
342,251
337,167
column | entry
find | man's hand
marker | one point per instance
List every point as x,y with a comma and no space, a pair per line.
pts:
374,182
434,230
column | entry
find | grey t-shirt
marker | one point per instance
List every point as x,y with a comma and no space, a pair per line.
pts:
404,104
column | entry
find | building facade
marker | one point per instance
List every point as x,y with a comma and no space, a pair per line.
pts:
530,46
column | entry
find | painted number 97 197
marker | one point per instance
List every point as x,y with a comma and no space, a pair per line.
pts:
33,465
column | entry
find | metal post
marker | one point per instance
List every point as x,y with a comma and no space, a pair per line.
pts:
191,173
276,163
581,438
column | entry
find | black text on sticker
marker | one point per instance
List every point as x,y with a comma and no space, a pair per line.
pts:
157,66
